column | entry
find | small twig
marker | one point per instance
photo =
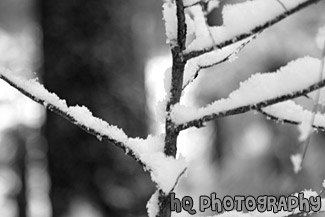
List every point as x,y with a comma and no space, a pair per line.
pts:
200,67
255,30
281,3
277,119
178,178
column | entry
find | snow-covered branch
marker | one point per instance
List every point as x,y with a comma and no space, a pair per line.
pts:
78,115
292,113
255,16
176,78
258,92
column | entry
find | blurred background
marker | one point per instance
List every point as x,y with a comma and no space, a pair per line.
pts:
111,56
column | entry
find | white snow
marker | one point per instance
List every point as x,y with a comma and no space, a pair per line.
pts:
80,113
242,18
296,160
164,171
211,3
291,111
323,184
168,82
169,16
201,27
152,205
305,129
190,2
320,38
150,145
295,76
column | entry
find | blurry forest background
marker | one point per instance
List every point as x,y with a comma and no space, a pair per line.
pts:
111,57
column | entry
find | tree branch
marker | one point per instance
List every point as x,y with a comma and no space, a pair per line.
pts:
177,80
253,31
59,106
200,67
287,121
172,133
242,109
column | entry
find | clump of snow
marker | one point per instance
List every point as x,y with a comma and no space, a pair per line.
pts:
323,184
201,27
164,171
169,16
83,116
296,161
305,130
168,81
320,38
150,145
258,88
153,205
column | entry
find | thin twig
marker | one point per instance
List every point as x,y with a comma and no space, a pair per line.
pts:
200,67
282,5
285,120
255,30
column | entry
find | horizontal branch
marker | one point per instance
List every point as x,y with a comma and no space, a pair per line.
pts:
259,91
92,125
257,106
255,30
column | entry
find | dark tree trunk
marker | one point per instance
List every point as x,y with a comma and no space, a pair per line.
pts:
89,59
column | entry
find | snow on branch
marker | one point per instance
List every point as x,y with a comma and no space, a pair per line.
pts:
243,20
292,113
297,78
165,171
78,115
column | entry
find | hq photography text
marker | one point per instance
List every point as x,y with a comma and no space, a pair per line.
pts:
247,203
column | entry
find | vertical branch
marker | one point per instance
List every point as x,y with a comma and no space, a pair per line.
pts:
172,131
177,80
